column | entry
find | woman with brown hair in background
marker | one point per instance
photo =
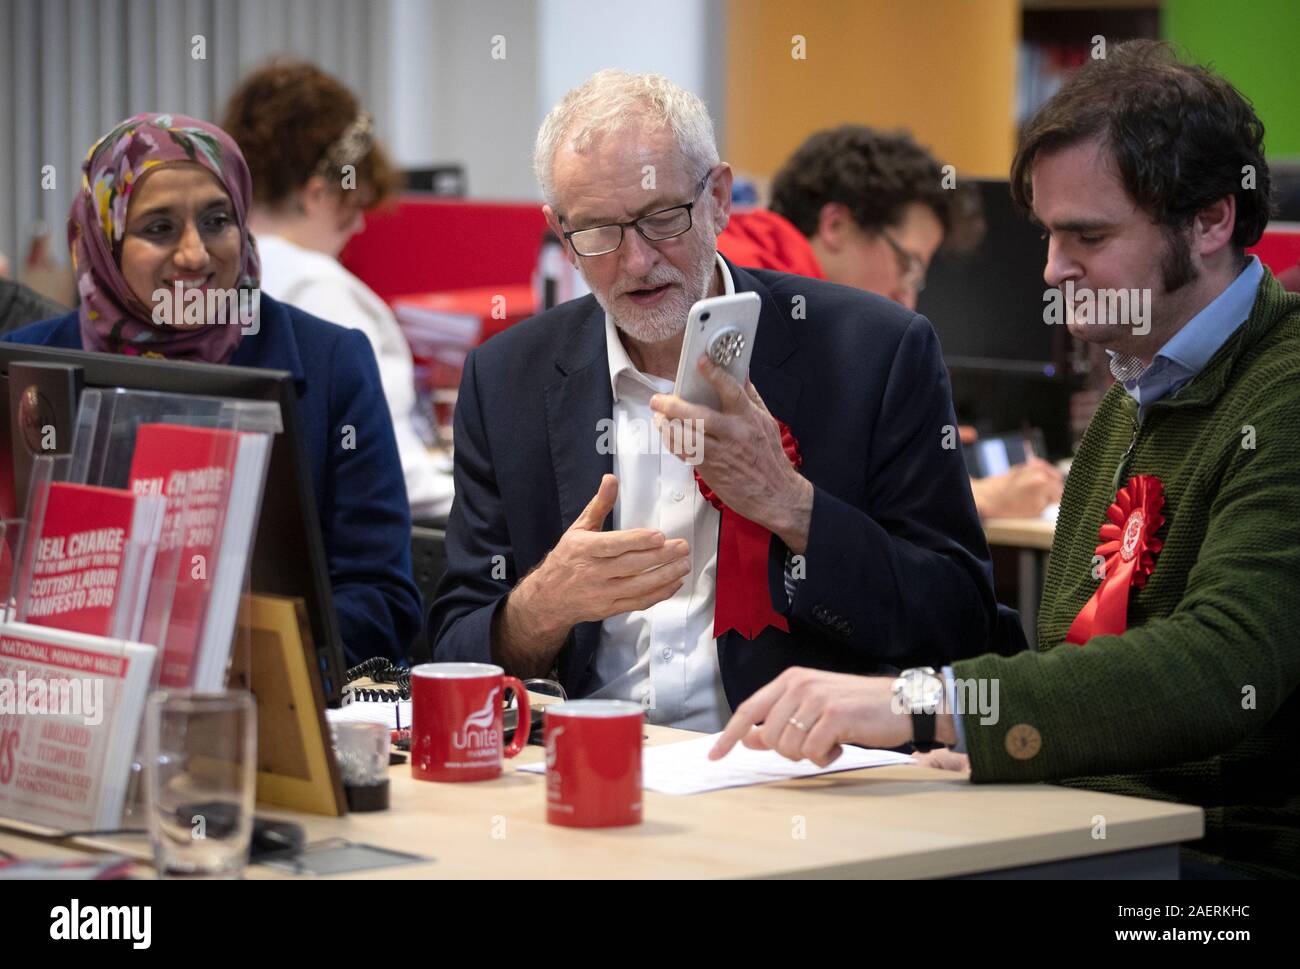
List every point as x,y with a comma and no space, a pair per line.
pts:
316,170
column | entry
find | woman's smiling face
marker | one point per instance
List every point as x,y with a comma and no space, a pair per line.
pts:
180,228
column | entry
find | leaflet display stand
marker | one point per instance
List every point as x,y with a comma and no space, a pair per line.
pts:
71,716
186,474
76,680
70,570
70,736
209,457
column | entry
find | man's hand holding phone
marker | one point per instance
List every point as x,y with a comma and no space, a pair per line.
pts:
740,457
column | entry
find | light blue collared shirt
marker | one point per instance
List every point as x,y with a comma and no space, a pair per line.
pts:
1190,349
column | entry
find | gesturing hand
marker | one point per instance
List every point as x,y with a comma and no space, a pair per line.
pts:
591,575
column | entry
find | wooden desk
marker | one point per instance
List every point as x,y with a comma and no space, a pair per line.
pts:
25,841
1033,537
1035,533
885,822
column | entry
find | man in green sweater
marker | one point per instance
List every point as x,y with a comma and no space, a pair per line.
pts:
1167,661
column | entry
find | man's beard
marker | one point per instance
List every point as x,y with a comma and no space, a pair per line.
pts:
1176,266
656,324
1177,271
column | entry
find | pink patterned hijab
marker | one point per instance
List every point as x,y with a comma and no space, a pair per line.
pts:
113,319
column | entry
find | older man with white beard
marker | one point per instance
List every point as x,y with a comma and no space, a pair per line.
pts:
582,543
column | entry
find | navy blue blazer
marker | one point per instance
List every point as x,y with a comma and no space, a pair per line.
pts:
360,493
897,568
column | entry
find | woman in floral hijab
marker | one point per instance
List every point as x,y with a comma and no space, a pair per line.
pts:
128,251
162,210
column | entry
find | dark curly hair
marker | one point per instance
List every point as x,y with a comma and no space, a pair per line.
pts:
285,117
875,175
1180,136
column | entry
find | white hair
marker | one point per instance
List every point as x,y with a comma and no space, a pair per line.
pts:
609,100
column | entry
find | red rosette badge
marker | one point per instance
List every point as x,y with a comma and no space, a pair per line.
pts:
1129,546
742,600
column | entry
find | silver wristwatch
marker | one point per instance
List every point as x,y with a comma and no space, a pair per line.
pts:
919,691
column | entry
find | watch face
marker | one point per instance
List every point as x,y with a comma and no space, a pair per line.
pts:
923,691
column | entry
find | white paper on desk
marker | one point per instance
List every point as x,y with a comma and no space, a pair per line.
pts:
364,712
685,768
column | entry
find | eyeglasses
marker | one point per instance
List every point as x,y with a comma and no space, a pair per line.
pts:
598,240
911,266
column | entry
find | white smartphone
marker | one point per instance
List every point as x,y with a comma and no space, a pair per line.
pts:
723,327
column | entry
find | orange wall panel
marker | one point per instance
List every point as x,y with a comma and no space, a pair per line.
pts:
946,69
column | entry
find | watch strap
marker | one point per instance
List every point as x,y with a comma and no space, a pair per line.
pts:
923,728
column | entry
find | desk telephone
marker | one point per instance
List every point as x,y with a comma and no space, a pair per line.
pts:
393,684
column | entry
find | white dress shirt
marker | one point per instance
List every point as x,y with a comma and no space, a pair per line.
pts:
665,657
318,284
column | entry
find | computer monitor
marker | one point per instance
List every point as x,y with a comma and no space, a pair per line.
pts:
987,304
1286,190
1000,399
288,552
1009,369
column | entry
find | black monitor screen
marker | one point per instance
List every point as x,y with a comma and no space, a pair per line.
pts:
987,304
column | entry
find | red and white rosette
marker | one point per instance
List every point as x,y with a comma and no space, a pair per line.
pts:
1130,546
742,600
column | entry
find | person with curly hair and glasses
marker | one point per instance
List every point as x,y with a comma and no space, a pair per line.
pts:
869,209
861,208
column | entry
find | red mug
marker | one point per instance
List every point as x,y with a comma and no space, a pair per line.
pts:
593,763
456,722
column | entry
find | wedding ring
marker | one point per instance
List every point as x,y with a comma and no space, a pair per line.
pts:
798,724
